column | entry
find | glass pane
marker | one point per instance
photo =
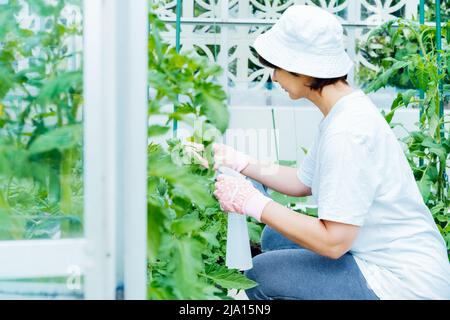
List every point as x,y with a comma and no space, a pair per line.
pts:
41,185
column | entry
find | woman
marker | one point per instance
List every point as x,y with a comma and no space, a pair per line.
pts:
374,238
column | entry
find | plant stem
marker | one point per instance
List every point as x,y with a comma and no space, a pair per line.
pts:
66,189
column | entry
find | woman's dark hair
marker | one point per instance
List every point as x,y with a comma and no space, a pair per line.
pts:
316,84
266,63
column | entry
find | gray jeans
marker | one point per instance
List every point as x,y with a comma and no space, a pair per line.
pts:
286,271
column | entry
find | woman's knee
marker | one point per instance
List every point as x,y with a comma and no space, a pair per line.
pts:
272,282
256,274
252,292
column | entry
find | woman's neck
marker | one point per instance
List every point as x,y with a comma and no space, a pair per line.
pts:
330,95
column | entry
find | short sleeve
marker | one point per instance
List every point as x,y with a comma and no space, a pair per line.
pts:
306,171
347,181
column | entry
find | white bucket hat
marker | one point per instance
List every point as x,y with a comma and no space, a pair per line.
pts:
307,40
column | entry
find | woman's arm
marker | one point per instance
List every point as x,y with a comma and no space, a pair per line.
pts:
327,238
278,178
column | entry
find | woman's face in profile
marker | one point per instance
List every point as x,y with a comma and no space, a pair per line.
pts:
294,85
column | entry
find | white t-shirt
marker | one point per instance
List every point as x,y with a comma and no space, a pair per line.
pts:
359,175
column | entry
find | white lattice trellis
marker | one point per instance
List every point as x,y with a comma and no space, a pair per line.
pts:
224,30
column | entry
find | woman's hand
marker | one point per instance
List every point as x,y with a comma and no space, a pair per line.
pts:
240,196
223,156
193,150
227,156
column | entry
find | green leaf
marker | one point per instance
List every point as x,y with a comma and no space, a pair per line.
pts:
407,96
192,187
210,237
436,149
383,79
155,226
402,100
211,98
388,117
288,163
311,211
187,264
61,139
284,199
62,83
230,278
157,130
425,187
254,231
432,173
186,225
6,81
421,74
15,162
181,111
441,217
448,64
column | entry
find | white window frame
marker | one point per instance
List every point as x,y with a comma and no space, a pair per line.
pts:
112,254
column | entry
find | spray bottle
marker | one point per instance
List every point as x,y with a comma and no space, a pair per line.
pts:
238,254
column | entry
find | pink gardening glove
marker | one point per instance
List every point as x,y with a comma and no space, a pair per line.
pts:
227,156
223,156
239,195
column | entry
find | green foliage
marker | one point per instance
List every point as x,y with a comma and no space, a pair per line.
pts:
40,130
388,48
430,10
62,138
428,148
187,228
184,81
187,234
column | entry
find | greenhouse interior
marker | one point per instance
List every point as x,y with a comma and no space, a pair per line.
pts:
191,149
